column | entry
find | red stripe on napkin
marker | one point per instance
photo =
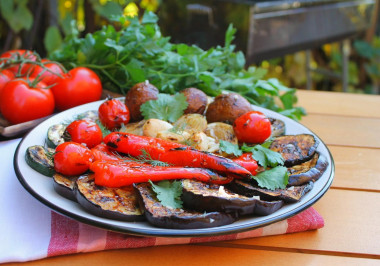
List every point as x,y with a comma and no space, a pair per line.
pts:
118,240
64,235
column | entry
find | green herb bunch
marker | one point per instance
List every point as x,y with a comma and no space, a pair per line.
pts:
137,51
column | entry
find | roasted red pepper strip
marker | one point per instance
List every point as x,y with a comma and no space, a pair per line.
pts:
118,174
173,153
102,152
247,162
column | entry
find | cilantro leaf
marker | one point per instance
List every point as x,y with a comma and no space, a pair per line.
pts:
230,148
165,107
168,193
264,156
273,178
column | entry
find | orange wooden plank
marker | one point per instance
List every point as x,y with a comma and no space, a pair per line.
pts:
352,221
198,255
348,104
356,168
347,131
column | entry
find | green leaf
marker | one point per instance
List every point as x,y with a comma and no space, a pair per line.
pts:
229,35
166,107
52,39
230,148
264,156
273,178
168,193
18,17
108,10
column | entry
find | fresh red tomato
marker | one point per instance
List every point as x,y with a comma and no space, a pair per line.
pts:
252,127
5,76
22,101
71,158
17,54
50,75
84,132
79,86
113,114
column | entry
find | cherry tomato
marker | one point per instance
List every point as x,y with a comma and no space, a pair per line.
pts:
84,132
20,102
5,76
79,86
48,77
252,127
16,54
72,158
113,114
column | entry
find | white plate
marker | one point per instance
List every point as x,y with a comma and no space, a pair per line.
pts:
41,187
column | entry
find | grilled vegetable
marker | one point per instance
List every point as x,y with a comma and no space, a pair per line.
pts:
278,127
161,216
196,99
118,174
153,126
295,149
191,123
88,115
55,135
201,196
221,131
102,152
113,203
64,185
291,194
173,153
37,157
310,170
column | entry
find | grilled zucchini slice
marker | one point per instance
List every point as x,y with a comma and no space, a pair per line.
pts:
38,158
161,216
55,135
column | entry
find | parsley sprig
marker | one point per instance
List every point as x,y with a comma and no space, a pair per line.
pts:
276,177
136,51
168,193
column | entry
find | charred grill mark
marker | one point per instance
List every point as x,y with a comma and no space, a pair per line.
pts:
112,145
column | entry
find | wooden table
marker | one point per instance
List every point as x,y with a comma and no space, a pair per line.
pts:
350,126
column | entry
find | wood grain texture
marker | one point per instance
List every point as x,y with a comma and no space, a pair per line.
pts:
335,103
352,221
345,131
198,255
356,168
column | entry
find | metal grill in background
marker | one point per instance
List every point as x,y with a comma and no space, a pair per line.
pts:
268,29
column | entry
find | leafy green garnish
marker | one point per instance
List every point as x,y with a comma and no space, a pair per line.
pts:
136,51
274,178
229,148
165,107
264,156
168,193
104,130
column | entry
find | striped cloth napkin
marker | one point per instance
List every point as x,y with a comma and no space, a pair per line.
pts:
30,231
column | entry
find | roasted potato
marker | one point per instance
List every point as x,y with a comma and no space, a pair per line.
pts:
196,99
202,142
181,137
137,95
152,126
227,107
221,131
191,123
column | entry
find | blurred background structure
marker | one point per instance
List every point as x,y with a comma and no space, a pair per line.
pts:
307,44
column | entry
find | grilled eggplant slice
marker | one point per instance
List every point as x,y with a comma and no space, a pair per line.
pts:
289,195
295,149
201,196
310,170
37,157
55,135
161,216
278,127
113,203
64,185
89,115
